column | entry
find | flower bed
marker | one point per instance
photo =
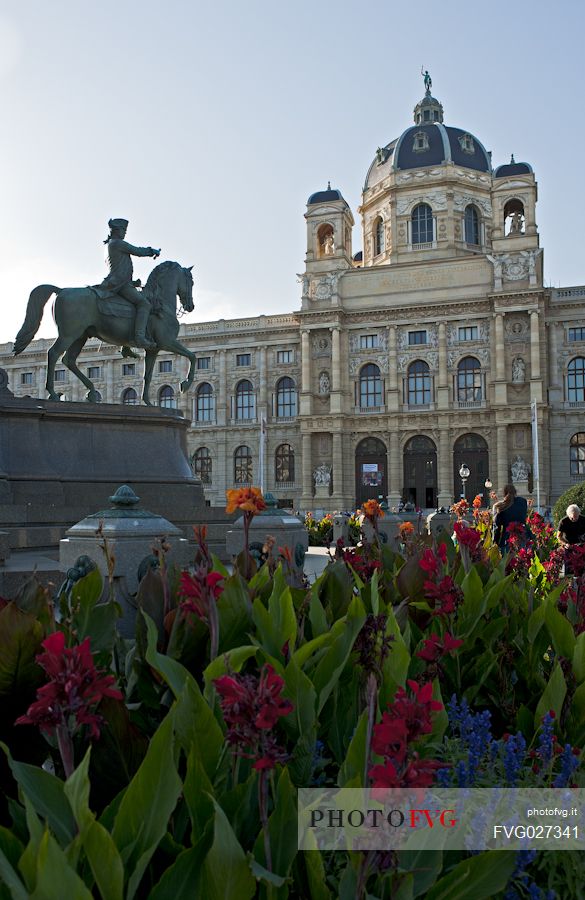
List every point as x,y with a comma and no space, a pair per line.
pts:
167,766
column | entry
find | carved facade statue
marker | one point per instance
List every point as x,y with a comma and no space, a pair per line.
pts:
322,474
520,470
328,245
324,383
305,283
518,370
516,224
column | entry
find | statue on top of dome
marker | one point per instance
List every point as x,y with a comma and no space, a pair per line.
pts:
427,79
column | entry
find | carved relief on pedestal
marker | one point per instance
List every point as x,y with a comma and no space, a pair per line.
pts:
321,345
516,327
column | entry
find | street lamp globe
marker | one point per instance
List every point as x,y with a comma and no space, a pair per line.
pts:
464,472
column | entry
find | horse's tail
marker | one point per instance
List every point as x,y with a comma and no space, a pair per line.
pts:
34,314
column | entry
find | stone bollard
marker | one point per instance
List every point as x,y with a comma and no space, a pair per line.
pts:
341,528
440,524
287,531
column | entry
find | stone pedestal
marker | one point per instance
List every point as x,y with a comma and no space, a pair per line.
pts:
131,534
58,461
522,488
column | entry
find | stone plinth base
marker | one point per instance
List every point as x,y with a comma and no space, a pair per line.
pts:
60,461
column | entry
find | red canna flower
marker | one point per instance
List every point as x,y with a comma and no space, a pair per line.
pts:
74,690
200,589
434,649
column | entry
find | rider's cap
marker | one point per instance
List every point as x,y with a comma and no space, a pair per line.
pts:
118,223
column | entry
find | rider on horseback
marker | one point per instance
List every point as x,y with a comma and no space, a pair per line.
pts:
119,281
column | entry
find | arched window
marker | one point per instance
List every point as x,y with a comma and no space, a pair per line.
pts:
471,225
204,404
422,224
201,463
469,380
284,464
370,386
577,453
245,400
379,243
130,397
286,398
166,397
419,383
243,465
576,380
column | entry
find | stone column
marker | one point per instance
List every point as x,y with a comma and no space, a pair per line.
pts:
307,496
392,392
109,381
394,469
535,382
443,385
306,394
222,410
501,457
338,493
263,398
444,466
553,352
335,370
500,386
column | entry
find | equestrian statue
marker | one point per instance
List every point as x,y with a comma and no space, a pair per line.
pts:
115,312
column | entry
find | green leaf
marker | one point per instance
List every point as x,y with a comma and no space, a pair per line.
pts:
395,668
86,592
424,867
234,613
198,794
561,631
332,665
351,772
316,876
141,821
55,877
535,622
262,874
282,828
225,874
579,658
276,626
9,877
20,641
304,653
179,880
47,795
197,727
98,623
553,696
105,861
474,603
300,691
76,789
479,877
175,674
317,616
233,661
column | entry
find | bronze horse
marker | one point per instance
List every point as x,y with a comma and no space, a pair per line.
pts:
78,317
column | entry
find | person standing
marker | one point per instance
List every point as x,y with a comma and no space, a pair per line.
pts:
571,528
511,509
119,279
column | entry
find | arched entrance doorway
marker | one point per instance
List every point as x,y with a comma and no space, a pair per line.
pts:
420,472
472,450
371,477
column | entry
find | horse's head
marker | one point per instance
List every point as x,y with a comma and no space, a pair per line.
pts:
185,288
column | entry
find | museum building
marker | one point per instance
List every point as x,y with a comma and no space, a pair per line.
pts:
431,348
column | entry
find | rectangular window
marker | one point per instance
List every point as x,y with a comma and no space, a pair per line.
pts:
203,362
94,372
468,333
368,341
60,375
284,356
577,334
417,337
128,368
165,365
243,359
26,378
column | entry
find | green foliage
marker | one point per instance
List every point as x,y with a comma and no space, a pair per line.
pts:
574,494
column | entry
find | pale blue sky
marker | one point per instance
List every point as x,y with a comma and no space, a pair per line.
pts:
209,124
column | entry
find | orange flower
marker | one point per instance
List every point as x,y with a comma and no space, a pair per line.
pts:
477,501
245,499
372,509
200,533
405,529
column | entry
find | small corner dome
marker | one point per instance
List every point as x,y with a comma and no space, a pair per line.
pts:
513,168
328,196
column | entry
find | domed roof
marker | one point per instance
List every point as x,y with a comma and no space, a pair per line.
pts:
513,168
325,196
431,145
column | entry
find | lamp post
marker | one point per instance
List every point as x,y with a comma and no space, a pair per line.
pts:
464,475
488,486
